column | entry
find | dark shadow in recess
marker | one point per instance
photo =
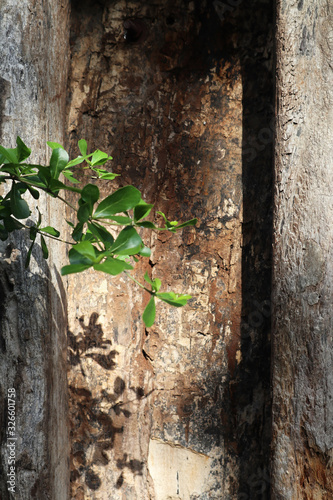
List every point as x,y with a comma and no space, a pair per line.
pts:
252,396
246,429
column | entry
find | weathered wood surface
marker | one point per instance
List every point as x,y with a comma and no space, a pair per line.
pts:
303,253
183,409
33,63
177,109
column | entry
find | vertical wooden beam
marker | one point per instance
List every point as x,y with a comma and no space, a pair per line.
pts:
33,60
303,253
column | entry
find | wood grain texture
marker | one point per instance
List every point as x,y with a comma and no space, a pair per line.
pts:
303,251
34,66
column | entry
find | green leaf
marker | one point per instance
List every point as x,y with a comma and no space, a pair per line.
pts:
44,247
142,210
155,283
20,208
168,225
121,200
54,145
145,252
147,278
101,162
128,242
50,230
9,167
58,162
121,219
163,215
102,171
108,176
3,233
8,154
90,193
99,158
4,212
88,236
11,224
113,266
84,212
53,186
38,181
23,151
33,233
82,253
146,224
173,299
56,185
191,222
27,260
44,175
34,193
76,161
74,268
149,313
21,187
39,218
83,147
69,176
78,230
101,234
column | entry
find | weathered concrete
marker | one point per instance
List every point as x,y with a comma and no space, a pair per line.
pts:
33,62
303,258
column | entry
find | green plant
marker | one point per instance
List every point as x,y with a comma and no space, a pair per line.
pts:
93,245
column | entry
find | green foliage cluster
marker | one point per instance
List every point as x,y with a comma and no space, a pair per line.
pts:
93,245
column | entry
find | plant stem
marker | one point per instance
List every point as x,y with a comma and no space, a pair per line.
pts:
47,234
66,202
119,224
138,283
54,237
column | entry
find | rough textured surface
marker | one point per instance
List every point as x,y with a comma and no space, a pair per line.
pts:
32,304
303,260
179,109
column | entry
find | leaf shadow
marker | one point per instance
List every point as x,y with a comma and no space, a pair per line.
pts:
92,418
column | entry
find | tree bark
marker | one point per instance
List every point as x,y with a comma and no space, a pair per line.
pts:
303,254
34,63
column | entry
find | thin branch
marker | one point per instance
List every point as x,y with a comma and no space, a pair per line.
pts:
66,202
138,283
54,237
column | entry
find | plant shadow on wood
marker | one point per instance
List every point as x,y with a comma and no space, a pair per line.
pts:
93,429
